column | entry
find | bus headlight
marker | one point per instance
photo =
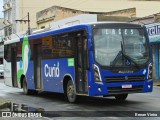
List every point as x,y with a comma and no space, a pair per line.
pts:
97,77
150,71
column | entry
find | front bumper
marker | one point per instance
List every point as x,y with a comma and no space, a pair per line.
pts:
97,89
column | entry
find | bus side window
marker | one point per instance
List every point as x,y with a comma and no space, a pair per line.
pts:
48,48
19,51
63,46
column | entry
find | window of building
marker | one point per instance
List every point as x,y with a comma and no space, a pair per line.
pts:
5,15
6,31
42,27
5,1
9,16
9,30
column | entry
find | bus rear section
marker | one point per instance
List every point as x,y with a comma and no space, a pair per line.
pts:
122,61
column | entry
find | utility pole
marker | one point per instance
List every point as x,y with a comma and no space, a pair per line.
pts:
29,30
28,20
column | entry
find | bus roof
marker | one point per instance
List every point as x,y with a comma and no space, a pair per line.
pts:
12,41
74,27
56,31
66,29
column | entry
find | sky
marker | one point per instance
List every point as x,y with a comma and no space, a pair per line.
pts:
1,8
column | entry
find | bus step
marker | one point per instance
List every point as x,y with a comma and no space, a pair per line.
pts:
82,94
39,90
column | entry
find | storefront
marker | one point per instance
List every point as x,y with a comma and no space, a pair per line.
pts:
154,37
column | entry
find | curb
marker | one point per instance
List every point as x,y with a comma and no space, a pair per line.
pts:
156,83
5,104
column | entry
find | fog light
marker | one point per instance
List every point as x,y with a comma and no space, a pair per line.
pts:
99,89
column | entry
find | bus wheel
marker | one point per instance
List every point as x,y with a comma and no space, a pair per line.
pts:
121,97
70,92
25,88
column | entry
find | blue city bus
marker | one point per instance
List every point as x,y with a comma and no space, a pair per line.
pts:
94,59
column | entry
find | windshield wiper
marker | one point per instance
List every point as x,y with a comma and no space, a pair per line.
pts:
128,57
123,55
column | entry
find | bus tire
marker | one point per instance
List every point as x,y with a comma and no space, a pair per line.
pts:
25,88
70,92
121,97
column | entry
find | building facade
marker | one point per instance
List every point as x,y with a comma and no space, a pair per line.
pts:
52,14
152,24
154,37
1,40
1,30
18,10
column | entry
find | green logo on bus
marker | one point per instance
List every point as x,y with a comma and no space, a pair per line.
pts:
70,61
25,58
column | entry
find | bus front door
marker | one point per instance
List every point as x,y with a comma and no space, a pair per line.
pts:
14,67
37,67
81,72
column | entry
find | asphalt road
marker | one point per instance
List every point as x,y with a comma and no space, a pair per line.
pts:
56,102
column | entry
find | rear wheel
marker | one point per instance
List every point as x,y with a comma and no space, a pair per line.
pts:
25,87
70,92
121,97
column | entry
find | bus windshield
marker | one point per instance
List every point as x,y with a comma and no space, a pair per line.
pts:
120,47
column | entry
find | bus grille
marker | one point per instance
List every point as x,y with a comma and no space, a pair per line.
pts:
125,79
117,90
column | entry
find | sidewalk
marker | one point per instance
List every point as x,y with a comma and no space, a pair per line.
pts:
156,82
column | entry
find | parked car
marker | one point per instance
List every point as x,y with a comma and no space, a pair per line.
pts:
1,71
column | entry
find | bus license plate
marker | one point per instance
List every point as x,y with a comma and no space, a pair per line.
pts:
126,86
